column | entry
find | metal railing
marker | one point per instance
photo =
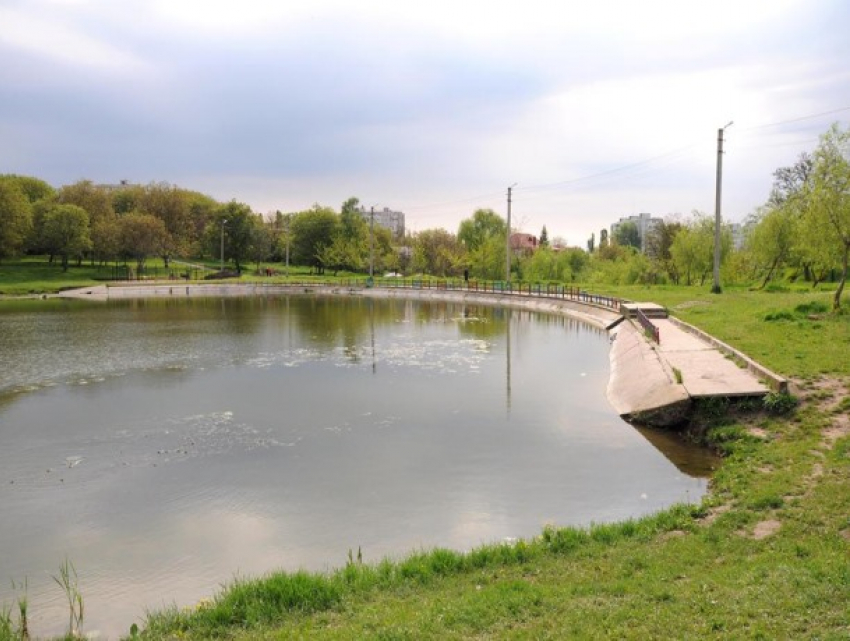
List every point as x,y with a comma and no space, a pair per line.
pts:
535,290
651,329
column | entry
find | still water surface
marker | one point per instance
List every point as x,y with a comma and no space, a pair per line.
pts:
166,446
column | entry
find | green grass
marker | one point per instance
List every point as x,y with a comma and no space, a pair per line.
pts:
37,276
789,332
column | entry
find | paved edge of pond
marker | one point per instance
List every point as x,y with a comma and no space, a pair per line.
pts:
649,383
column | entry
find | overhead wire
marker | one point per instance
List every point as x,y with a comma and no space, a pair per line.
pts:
640,168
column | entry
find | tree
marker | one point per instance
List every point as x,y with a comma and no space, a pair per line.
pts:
66,232
98,204
236,221
790,182
772,239
544,237
657,244
312,231
628,235
693,247
483,237
484,224
34,189
262,242
591,243
488,259
95,200
171,205
437,252
828,214
141,235
15,218
351,220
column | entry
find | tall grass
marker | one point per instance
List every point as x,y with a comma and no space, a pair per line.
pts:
248,604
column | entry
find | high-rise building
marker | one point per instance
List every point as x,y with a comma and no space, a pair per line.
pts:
387,218
644,223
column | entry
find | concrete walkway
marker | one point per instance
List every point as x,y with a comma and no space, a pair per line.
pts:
705,370
655,383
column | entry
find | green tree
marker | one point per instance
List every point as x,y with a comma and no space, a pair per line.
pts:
171,205
238,223
66,232
95,200
98,204
262,242
628,235
312,231
692,248
772,240
544,237
141,236
488,259
437,252
33,188
657,244
483,237
15,218
484,224
828,214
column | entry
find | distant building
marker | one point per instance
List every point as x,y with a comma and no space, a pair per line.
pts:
644,223
739,234
124,184
523,243
386,218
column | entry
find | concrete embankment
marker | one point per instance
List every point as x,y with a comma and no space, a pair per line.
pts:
642,386
650,383
595,315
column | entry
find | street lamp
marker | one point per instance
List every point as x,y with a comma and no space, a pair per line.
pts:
371,244
223,221
715,288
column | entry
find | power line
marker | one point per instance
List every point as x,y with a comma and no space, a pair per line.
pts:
640,167
800,119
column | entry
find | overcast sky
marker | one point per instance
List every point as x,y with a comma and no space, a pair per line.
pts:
596,109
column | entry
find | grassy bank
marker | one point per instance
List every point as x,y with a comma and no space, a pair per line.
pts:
765,556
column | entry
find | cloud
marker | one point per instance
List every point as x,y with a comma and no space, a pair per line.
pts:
433,107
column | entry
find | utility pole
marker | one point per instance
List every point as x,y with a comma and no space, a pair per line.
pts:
371,243
508,240
223,221
715,288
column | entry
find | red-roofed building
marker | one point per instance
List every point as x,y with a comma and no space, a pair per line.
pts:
524,243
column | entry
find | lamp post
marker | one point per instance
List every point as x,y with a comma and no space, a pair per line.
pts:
715,288
371,244
223,221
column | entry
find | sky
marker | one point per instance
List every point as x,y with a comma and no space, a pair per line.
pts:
592,111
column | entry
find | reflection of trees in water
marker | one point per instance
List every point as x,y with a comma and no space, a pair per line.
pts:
346,322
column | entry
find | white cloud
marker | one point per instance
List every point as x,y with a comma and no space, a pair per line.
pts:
47,37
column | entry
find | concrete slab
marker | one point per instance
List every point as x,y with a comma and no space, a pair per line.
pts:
651,310
705,370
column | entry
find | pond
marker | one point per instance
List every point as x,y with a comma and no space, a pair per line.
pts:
165,447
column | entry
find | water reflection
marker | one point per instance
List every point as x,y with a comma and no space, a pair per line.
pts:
166,445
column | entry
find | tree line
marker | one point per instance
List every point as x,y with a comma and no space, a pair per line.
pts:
802,232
